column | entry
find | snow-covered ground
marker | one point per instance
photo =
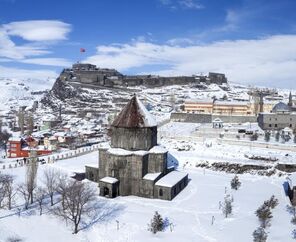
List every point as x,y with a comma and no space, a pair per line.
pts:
190,213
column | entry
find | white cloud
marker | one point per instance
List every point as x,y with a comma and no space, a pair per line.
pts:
48,61
42,74
39,30
190,4
183,4
266,61
39,35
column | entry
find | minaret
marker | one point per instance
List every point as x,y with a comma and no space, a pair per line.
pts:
290,103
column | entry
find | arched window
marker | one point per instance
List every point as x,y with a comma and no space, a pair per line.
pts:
160,192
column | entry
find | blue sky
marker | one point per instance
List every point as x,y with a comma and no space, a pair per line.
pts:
252,41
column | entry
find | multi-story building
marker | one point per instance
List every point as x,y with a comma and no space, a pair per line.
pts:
218,107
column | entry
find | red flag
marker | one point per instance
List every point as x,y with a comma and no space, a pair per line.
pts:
82,50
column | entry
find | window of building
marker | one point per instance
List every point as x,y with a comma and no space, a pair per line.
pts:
290,125
160,192
113,173
270,125
275,125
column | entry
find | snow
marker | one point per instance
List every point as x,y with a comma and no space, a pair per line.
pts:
151,176
158,149
171,179
149,120
109,179
123,152
190,212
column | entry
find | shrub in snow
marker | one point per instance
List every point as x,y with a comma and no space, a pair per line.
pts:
293,220
294,234
259,235
235,183
277,136
227,206
156,224
14,239
264,215
272,202
267,136
254,137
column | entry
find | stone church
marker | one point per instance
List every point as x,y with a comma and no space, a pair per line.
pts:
134,164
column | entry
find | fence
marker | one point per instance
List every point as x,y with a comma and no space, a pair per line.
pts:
51,158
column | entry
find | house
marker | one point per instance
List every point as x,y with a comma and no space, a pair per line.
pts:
20,147
134,164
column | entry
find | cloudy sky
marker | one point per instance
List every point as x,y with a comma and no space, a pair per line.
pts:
252,41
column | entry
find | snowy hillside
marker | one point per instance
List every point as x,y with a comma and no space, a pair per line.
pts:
15,92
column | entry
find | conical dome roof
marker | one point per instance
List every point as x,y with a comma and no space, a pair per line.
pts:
134,115
280,107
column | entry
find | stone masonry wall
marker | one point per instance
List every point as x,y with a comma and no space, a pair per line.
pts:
134,139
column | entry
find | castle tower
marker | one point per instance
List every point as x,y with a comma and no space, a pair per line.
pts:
134,128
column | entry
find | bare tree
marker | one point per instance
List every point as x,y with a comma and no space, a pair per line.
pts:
77,202
31,176
9,189
23,190
30,124
21,120
2,190
51,181
62,188
40,197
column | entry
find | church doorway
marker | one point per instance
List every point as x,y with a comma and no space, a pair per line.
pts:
106,192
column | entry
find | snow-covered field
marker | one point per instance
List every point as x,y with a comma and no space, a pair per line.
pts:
190,213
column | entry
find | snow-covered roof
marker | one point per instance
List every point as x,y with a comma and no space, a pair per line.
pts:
14,138
158,150
231,103
134,115
288,130
217,120
171,179
206,101
119,151
151,176
281,107
109,179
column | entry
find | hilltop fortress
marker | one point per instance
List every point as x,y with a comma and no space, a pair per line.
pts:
91,74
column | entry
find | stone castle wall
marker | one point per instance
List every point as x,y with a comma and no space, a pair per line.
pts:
208,118
110,77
